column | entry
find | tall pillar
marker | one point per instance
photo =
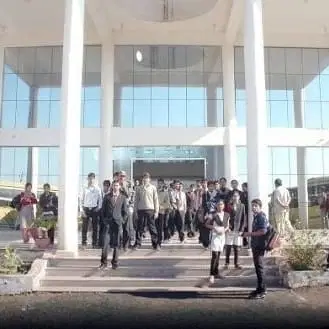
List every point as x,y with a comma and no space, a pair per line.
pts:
70,125
105,152
301,159
33,152
230,151
256,104
117,115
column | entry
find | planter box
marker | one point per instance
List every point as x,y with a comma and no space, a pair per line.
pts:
42,243
297,279
23,283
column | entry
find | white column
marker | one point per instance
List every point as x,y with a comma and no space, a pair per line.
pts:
105,151
301,159
2,62
256,105
70,125
33,152
230,123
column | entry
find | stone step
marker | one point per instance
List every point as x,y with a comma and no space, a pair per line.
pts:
199,291
175,271
107,282
156,260
145,252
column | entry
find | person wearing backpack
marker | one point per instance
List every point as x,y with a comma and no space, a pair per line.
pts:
259,245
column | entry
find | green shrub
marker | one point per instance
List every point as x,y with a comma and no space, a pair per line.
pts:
10,262
302,253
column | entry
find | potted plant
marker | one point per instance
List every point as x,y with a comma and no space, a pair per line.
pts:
40,231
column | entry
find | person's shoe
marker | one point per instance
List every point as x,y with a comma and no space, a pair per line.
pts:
102,267
226,266
115,266
136,247
84,247
238,267
257,294
211,279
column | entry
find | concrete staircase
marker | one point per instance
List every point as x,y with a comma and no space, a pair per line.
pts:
177,267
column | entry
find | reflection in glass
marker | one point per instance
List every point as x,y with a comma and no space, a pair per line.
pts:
34,73
172,75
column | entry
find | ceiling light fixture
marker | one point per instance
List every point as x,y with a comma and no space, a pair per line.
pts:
139,56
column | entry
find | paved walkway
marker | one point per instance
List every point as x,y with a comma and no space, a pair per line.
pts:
144,310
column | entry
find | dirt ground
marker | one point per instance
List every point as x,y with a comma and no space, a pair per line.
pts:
302,308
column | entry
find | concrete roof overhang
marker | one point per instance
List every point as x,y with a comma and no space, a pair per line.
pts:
40,22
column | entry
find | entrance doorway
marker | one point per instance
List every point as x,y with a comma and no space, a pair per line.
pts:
187,170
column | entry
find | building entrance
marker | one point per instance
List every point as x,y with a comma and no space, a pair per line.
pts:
187,170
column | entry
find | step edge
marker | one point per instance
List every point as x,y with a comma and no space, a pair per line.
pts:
125,278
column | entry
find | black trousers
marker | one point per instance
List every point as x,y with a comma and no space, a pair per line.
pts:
258,258
162,228
204,237
112,235
171,223
190,222
101,234
179,224
214,264
228,249
146,219
94,216
51,235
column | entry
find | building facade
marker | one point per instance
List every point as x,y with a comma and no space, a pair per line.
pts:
107,84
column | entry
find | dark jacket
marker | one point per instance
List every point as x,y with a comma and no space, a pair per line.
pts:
49,202
238,217
209,203
224,194
226,220
260,222
115,211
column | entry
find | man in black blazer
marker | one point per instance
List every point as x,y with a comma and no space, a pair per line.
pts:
114,212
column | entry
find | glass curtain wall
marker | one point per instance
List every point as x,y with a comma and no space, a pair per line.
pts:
289,70
168,86
32,87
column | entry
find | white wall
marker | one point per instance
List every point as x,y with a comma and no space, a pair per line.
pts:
164,137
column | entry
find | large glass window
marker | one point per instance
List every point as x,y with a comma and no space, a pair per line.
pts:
32,87
296,80
168,86
15,166
123,157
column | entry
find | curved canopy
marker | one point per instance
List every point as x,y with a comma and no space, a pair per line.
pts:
166,10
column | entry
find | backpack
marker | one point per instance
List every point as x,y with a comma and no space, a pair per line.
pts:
272,240
15,202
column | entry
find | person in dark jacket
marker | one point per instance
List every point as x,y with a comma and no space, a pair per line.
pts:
210,198
260,226
224,191
48,203
114,211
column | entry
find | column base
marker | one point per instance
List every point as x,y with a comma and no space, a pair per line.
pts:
66,254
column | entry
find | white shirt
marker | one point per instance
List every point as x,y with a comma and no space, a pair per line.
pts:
91,197
180,198
281,199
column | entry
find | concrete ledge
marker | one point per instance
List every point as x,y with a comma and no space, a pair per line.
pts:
24,283
298,279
